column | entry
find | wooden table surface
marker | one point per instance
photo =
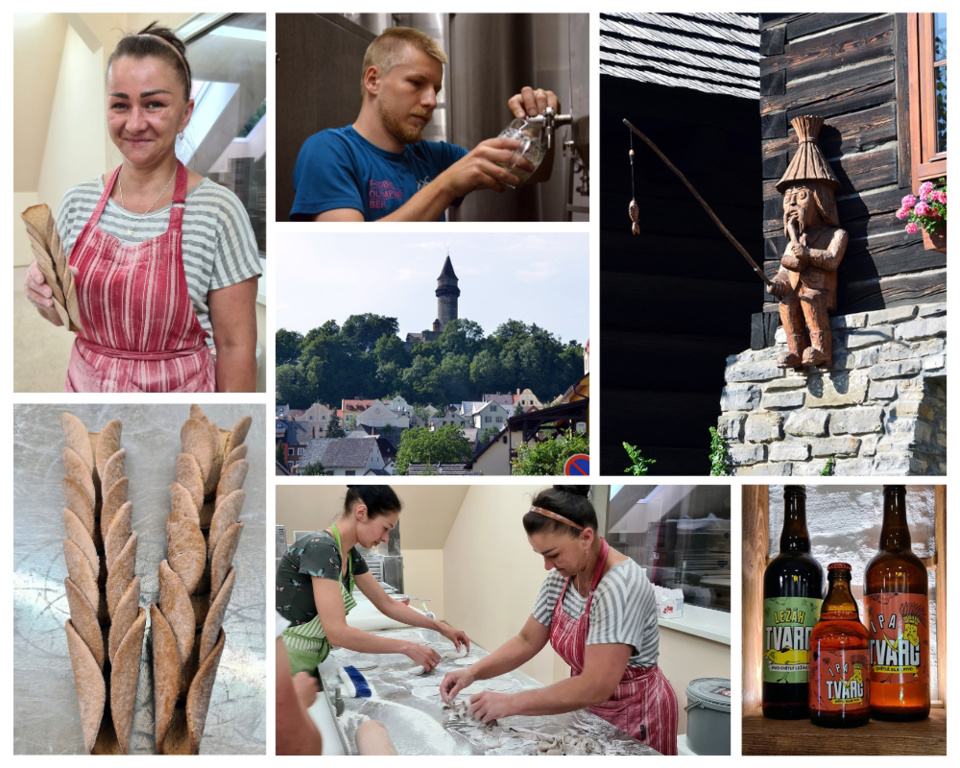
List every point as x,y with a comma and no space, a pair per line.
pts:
764,736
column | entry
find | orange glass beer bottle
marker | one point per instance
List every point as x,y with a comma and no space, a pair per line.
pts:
839,658
897,612
792,593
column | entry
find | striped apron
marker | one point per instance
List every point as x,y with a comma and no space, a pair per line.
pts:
307,644
140,332
644,704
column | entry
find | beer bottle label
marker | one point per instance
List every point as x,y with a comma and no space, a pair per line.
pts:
899,631
787,622
840,680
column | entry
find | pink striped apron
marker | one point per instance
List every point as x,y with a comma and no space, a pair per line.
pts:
140,332
644,704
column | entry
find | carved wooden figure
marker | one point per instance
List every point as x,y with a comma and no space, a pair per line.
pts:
807,281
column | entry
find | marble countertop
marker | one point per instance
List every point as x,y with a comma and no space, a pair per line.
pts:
411,708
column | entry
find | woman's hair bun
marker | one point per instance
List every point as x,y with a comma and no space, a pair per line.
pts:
578,490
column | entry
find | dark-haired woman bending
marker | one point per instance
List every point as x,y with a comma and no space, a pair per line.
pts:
598,611
315,583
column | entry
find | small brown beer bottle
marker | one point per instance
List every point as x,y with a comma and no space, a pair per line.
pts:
792,593
898,622
839,658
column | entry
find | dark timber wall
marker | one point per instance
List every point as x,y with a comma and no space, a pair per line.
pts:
676,300
851,70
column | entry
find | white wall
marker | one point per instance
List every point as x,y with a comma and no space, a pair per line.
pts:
423,577
491,575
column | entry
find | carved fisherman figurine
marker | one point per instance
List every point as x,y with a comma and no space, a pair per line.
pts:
807,281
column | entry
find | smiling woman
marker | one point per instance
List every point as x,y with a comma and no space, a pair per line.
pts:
165,261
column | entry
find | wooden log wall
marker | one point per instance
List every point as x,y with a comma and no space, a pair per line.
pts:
851,70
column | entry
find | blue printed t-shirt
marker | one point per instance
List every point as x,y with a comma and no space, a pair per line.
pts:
338,168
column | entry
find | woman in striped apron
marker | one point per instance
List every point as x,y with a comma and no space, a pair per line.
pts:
598,611
315,581
162,257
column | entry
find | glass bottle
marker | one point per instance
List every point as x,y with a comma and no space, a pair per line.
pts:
792,594
896,605
839,658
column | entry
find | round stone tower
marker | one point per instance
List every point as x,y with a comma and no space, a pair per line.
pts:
447,294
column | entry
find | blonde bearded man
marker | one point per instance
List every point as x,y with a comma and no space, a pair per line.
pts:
380,168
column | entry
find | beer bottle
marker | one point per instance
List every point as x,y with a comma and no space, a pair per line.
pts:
839,658
896,606
792,593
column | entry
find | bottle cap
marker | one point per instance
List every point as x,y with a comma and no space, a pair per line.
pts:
839,567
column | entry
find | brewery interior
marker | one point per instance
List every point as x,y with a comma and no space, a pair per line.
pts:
491,57
461,553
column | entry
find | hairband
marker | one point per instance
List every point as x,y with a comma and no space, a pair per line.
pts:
555,516
171,46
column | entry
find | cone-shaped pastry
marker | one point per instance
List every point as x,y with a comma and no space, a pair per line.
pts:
197,578
808,164
106,627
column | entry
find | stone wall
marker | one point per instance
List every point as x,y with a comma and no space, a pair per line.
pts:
880,411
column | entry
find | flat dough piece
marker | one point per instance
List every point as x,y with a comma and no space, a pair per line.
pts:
182,503
79,472
166,673
77,533
75,433
108,443
190,477
214,620
198,699
238,434
176,607
114,469
126,612
124,678
83,615
195,439
186,550
91,689
79,503
120,573
113,500
226,514
233,478
222,558
118,533
78,566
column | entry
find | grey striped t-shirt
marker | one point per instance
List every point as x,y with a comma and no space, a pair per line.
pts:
624,610
219,247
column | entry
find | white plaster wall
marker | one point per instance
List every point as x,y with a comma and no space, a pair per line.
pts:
491,576
423,577
844,525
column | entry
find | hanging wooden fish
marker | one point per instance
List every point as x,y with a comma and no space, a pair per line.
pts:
635,217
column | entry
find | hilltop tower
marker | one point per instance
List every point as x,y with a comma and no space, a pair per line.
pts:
448,293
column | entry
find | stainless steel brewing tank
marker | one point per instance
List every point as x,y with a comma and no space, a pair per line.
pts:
492,56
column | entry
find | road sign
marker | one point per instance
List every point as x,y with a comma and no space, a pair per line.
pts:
578,464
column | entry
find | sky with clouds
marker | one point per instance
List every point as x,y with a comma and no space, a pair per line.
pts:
540,278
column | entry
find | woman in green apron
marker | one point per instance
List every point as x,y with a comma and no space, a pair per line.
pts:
315,582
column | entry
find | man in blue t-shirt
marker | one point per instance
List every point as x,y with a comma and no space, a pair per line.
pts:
379,167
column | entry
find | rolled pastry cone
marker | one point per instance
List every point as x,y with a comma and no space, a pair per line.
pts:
107,625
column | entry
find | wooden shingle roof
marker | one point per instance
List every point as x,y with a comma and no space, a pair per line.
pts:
712,52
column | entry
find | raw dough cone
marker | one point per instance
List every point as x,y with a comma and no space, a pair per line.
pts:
47,247
196,579
106,625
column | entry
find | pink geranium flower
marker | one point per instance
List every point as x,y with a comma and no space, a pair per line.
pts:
912,228
909,201
903,213
922,209
925,189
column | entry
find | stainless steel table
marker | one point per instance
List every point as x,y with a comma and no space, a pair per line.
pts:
411,709
46,718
